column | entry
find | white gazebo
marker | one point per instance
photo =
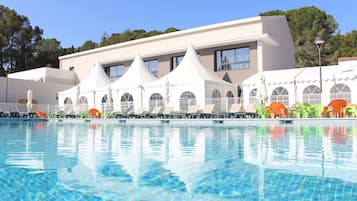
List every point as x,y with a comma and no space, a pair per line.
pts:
129,89
303,85
84,94
191,82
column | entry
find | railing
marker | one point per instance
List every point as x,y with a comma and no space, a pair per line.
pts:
23,108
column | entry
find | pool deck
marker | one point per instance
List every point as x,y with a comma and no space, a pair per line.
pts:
198,122
212,122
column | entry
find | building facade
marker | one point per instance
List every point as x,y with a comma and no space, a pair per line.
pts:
233,50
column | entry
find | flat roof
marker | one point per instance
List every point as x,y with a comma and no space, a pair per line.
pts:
175,34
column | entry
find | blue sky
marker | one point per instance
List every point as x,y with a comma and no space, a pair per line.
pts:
74,21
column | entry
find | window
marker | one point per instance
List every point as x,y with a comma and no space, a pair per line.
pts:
340,91
68,105
115,72
83,104
156,100
83,100
175,61
105,99
253,98
230,98
153,66
280,94
68,101
187,98
216,98
311,95
126,102
232,59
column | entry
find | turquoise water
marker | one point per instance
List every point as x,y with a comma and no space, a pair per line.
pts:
65,161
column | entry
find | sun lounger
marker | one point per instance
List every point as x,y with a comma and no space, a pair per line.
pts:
235,111
206,113
139,113
155,113
192,111
166,113
250,111
350,110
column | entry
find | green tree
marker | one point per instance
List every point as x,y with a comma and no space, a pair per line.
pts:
88,45
129,35
171,29
305,25
17,40
47,53
348,45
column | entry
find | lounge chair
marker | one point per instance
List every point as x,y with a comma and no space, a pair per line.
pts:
4,111
207,112
192,111
250,111
303,110
316,110
166,113
139,113
335,107
124,113
350,110
261,112
278,110
155,113
235,111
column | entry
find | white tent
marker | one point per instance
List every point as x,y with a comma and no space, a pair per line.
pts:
191,75
130,83
96,80
295,81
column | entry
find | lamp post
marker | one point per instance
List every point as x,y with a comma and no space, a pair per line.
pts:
319,43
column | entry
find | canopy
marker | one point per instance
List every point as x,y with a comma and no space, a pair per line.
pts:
137,75
296,80
190,75
131,82
96,79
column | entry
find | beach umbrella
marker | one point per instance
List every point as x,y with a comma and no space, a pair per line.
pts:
29,100
78,92
263,91
109,101
167,91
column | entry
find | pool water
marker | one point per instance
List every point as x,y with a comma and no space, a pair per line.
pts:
84,161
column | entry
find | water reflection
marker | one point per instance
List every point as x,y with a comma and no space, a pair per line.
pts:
251,163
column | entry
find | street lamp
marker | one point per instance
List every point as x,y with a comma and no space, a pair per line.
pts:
319,43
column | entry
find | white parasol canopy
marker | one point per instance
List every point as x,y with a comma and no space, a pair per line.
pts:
29,100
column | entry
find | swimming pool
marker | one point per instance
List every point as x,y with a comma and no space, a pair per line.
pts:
89,161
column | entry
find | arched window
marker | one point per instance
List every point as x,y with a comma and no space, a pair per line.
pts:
253,98
68,101
156,100
280,94
216,98
229,94
126,102
105,99
187,98
341,91
311,94
107,105
68,105
83,104
83,100
230,99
